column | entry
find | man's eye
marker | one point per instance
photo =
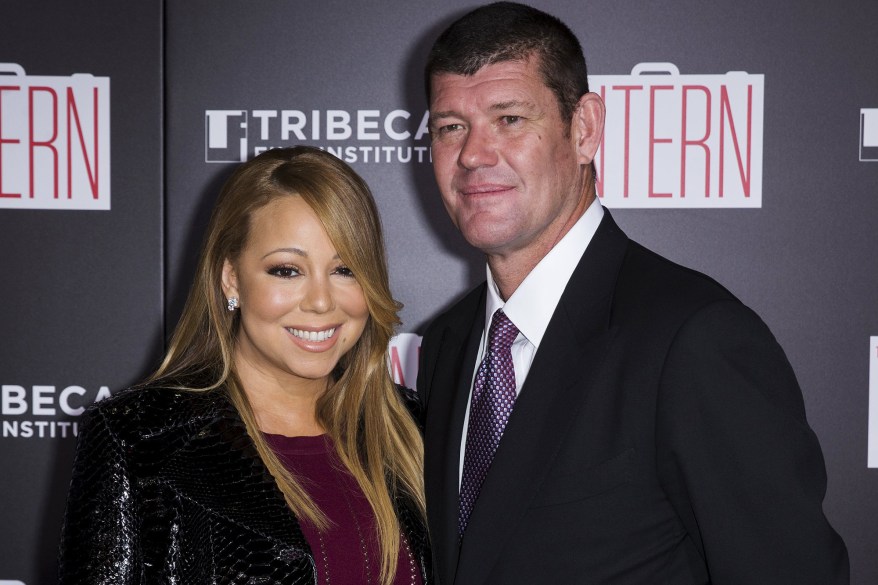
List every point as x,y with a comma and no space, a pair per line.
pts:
284,271
510,120
449,128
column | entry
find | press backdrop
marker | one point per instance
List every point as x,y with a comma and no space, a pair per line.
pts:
742,141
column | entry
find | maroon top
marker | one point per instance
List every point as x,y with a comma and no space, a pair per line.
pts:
347,553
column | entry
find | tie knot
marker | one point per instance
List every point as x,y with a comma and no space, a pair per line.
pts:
502,333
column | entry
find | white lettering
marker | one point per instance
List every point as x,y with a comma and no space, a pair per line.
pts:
264,116
287,124
42,400
64,400
315,127
424,128
103,392
388,125
13,400
364,124
338,125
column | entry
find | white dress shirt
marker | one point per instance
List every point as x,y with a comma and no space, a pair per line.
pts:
531,306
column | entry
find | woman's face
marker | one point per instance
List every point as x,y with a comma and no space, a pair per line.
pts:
301,308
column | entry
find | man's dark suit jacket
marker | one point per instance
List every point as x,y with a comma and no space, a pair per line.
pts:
659,439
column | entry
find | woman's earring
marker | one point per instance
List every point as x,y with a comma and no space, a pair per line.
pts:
232,303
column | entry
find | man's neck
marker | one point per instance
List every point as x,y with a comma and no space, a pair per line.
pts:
510,269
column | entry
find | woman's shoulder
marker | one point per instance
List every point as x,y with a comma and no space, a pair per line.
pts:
156,409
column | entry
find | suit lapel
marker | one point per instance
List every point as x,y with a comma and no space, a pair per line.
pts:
557,385
453,370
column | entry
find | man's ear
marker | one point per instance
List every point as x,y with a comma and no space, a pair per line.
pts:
588,126
229,279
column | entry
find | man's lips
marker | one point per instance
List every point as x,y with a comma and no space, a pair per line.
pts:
484,189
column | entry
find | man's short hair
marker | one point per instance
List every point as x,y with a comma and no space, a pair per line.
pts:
508,31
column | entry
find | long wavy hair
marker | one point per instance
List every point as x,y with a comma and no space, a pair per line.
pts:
375,436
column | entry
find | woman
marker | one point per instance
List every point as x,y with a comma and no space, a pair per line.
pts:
271,445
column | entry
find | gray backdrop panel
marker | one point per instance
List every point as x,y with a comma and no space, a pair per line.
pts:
802,260
81,290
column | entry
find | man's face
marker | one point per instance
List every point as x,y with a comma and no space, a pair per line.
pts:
508,167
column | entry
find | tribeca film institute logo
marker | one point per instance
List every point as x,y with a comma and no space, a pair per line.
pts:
671,140
44,412
54,141
360,136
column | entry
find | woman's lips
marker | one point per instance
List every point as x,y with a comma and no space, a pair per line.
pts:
313,339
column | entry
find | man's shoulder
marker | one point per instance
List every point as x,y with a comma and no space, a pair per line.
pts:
652,289
651,273
460,314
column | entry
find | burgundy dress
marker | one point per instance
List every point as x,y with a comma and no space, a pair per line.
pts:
347,552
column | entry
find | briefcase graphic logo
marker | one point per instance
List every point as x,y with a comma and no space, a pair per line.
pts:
869,134
675,141
54,141
873,401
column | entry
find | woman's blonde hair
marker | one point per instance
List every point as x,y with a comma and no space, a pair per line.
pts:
375,436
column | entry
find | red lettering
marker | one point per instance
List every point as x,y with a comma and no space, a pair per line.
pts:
6,140
627,89
396,366
653,140
725,107
33,143
702,142
73,113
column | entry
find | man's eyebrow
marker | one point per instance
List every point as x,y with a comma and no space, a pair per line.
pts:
500,106
439,115
512,104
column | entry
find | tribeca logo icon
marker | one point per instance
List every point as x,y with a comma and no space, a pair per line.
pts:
869,134
225,136
54,141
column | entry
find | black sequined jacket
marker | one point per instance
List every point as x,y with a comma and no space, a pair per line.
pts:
167,488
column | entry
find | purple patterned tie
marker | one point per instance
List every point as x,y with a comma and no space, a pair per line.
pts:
491,404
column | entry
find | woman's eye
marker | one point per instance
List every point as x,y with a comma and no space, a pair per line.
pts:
284,271
344,271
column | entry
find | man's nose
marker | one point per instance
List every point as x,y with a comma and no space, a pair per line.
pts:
479,149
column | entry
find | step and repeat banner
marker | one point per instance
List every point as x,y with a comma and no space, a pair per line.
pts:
741,140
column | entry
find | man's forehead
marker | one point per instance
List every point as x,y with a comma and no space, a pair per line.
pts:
508,81
526,65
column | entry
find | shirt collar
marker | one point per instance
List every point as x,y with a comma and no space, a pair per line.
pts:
532,305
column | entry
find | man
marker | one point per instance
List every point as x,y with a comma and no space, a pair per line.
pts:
594,412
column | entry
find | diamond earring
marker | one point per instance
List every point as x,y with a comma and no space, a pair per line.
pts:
232,303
